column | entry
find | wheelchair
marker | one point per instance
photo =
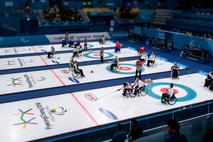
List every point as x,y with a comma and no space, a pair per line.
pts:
75,74
151,64
141,92
115,68
102,41
50,54
209,84
77,53
175,74
171,100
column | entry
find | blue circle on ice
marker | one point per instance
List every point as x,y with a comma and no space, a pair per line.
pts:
90,45
96,55
191,94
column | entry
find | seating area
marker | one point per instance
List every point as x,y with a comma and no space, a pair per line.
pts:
196,20
126,14
192,21
59,16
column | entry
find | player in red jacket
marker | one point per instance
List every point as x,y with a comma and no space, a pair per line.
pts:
138,65
117,47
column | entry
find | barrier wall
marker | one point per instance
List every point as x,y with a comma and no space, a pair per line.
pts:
180,40
47,39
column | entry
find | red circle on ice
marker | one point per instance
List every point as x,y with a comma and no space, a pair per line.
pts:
96,54
125,68
164,90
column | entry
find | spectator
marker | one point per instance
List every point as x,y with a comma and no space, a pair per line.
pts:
119,135
55,14
126,13
135,131
173,131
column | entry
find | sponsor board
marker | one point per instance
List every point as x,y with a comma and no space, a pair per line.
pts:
81,36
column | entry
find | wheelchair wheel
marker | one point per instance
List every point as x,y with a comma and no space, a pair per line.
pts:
154,64
76,75
130,94
116,69
143,91
172,100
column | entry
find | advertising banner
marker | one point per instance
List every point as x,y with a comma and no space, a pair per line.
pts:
78,36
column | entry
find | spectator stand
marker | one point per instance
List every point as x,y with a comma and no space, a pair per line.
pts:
100,17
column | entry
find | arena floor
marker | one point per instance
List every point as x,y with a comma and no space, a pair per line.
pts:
31,116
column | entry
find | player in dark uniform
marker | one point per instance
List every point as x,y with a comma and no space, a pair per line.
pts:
175,71
77,70
209,80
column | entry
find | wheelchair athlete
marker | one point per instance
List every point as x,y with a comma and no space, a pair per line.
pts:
127,89
209,81
135,89
139,85
151,60
71,62
74,67
51,53
115,64
71,65
170,93
77,70
77,51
